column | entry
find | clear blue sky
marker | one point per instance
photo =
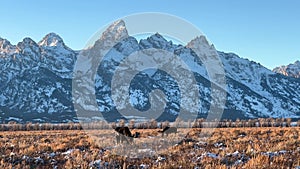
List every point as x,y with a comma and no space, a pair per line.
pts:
266,31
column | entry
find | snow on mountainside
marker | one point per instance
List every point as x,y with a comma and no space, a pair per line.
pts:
292,70
36,81
272,91
52,39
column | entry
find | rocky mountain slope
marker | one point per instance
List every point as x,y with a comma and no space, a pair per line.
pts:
36,82
292,70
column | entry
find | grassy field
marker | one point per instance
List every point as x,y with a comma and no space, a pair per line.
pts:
190,148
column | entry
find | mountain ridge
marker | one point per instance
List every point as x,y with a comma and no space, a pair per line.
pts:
291,70
36,80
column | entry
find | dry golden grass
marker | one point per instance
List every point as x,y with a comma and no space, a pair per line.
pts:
225,148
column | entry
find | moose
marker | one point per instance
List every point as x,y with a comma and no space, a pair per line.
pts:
168,130
123,133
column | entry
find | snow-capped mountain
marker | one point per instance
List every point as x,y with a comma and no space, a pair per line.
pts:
36,81
292,70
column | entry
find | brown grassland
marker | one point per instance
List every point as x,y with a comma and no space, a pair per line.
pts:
259,147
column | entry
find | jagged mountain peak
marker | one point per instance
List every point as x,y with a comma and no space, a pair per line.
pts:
27,42
117,24
27,46
206,51
3,40
157,37
4,44
116,31
292,70
6,47
52,39
199,40
297,63
157,41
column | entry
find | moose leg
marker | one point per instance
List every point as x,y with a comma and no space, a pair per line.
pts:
128,139
118,138
122,137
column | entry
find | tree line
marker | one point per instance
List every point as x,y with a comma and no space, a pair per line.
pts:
152,124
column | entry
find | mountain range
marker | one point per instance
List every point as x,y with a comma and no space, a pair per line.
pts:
36,81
